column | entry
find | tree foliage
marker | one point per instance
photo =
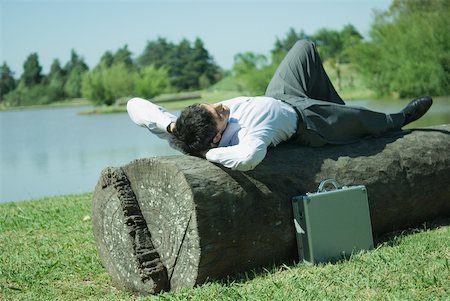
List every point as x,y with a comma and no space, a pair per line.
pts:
55,81
31,71
7,81
409,50
123,57
152,81
254,71
74,69
30,89
106,60
60,83
162,67
106,85
408,54
190,67
334,46
292,36
117,76
157,53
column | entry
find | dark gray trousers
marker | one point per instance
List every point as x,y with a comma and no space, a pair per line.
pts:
323,118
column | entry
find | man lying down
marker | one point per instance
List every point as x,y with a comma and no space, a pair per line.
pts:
300,106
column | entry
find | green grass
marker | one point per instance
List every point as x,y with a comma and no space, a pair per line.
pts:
47,252
58,104
207,96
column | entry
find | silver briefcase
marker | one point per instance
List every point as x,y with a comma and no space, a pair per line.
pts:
332,224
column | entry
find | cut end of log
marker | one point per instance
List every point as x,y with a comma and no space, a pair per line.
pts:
123,240
145,228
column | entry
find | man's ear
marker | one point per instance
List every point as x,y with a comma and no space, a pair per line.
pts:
217,138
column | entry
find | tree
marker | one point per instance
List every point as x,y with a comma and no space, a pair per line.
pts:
31,88
118,81
106,85
350,38
157,53
333,46
55,81
253,71
152,82
180,71
7,81
283,45
114,77
189,68
123,56
92,87
409,50
328,43
207,72
74,69
106,60
31,71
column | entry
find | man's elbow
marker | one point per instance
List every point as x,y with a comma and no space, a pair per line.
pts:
133,103
249,162
134,109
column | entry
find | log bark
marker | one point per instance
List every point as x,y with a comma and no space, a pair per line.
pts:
191,220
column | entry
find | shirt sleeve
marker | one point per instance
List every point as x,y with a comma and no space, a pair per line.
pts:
146,114
244,156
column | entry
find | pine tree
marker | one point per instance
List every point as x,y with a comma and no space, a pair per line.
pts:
205,69
7,81
123,56
74,69
31,71
55,81
180,71
106,60
157,53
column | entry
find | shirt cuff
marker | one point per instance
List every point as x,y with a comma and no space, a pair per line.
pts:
144,113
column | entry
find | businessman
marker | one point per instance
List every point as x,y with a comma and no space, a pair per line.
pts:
300,106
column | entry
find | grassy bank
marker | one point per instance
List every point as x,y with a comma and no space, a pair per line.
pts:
350,86
47,252
205,97
58,104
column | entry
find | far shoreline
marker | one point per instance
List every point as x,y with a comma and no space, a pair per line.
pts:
178,101
76,102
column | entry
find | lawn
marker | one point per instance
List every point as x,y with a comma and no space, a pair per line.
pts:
47,252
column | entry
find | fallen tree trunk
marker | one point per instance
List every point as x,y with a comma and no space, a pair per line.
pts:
172,222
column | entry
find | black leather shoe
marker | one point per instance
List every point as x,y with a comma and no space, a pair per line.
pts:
416,108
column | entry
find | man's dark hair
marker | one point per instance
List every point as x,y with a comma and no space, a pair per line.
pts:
194,130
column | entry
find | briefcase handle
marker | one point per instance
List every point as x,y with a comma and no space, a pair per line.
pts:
325,182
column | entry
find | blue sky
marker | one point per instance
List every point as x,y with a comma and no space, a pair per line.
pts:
52,28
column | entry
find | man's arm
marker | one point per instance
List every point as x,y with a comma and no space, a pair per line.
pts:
146,114
244,156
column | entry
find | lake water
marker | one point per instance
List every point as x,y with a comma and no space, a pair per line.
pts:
56,151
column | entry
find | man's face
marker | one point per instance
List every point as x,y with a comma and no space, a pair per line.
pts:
220,114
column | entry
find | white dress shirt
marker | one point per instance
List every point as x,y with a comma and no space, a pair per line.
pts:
153,117
255,123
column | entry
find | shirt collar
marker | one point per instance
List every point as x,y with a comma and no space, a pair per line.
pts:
230,131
